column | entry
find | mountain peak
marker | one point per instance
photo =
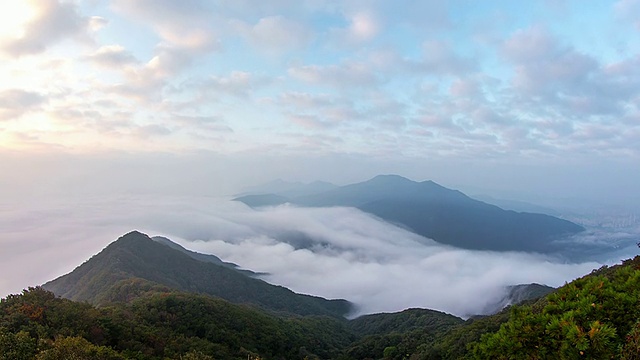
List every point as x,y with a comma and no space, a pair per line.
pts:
132,240
390,178
135,258
133,234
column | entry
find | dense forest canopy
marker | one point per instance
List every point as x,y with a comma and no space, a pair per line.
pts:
595,317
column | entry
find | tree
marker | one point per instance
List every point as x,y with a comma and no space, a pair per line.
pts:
77,348
16,346
195,355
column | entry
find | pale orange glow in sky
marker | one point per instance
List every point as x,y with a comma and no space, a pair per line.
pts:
13,16
472,91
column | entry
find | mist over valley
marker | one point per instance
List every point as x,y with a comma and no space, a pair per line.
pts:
333,252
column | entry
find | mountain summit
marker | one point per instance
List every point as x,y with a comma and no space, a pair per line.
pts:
434,211
135,264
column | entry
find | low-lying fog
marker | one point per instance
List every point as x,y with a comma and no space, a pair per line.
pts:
329,252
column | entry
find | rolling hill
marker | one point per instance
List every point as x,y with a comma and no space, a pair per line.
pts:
136,264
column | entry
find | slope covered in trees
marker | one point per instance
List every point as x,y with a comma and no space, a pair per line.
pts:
595,317
136,264
158,326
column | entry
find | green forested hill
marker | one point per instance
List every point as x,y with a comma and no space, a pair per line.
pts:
176,325
162,325
595,317
407,320
395,335
136,264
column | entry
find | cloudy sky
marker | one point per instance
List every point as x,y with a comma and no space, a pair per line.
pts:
538,96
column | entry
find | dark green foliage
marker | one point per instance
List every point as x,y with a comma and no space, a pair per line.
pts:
453,344
404,321
519,293
390,352
595,317
395,335
77,348
195,355
158,326
16,346
631,348
202,257
135,264
590,318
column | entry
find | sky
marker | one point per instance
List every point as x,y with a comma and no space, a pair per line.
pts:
110,110
539,96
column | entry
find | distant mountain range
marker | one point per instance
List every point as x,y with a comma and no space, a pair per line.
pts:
431,210
136,264
516,205
289,189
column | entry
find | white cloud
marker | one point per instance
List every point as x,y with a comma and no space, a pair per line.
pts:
186,25
534,94
186,32
363,26
112,56
441,59
275,34
464,87
543,66
237,83
343,76
347,253
16,102
53,21
530,45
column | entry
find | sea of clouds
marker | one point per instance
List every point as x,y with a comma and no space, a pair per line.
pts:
331,252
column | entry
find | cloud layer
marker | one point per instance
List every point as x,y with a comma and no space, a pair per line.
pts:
330,252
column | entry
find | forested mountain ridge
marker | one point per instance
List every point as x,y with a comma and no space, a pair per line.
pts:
175,325
595,317
163,325
445,215
201,257
136,264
